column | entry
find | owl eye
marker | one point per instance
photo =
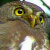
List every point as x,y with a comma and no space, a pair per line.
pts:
41,18
19,11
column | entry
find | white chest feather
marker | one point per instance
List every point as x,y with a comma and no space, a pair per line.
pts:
27,43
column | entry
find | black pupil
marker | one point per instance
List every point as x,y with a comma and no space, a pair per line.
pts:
20,11
40,19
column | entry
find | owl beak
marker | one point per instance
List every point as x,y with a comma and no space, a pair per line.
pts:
33,20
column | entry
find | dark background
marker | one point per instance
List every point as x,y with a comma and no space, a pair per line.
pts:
4,1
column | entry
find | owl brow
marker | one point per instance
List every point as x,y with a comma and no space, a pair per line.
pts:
19,8
15,5
43,15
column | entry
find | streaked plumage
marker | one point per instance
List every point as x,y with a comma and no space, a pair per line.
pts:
22,27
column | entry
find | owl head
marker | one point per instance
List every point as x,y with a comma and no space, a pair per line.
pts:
17,19
27,12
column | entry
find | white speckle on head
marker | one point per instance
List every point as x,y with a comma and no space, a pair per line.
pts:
23,3
27,43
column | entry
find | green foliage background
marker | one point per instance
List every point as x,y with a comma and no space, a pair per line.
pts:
4,1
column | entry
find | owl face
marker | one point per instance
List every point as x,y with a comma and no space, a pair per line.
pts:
24,11
15,33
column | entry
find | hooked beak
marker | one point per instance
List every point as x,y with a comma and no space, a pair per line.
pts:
32,20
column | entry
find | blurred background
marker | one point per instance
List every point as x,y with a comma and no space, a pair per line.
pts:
44,4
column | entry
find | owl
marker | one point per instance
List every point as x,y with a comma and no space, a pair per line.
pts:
22,27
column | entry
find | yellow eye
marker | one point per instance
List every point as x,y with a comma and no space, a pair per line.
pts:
19,11
41,20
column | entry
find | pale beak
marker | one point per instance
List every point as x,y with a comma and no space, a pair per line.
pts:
33,20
